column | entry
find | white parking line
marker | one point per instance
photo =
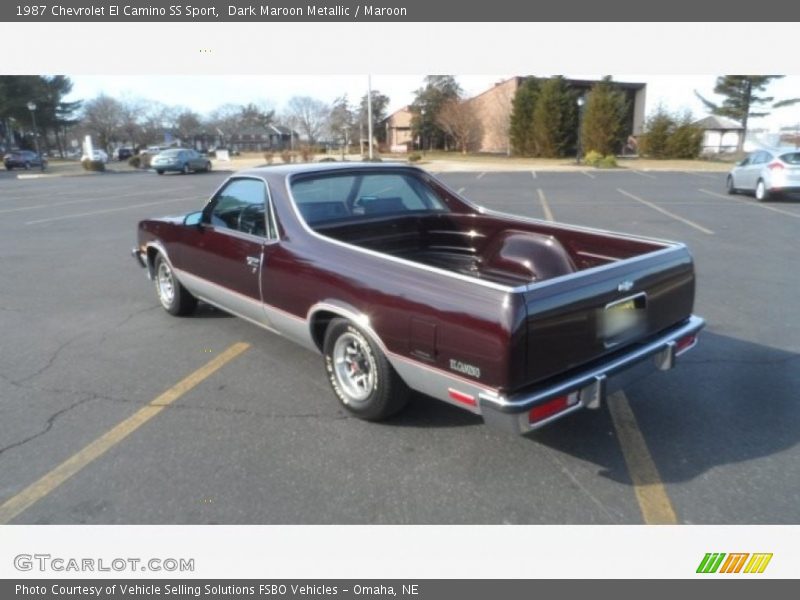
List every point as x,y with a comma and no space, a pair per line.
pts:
109,210
85,200
482,174
548,214
534,174
643,174
666,212
704,175
753,204
588,174
460,190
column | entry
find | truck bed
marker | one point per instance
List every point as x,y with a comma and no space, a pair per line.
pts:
500,249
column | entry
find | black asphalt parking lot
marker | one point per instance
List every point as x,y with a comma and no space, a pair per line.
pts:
85,345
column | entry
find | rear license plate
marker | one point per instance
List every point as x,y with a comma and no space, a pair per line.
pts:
622,318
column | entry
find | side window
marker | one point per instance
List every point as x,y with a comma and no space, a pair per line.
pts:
241,206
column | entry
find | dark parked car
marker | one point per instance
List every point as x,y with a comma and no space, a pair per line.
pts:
404,285
123,153
23,159
182,160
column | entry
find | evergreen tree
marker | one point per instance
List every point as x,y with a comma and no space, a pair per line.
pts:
429,100
658,129
603,128
741,98
555,119
523,106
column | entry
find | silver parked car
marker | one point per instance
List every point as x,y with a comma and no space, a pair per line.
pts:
180,159
766,172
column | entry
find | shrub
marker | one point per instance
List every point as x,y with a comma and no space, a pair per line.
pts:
135,161
93,165
592,158
375,158
269,157
307,153
658,131
414,157
686,141
327,159
607,162
603,126
286,156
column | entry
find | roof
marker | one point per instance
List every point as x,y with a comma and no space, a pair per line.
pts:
320,167
717,122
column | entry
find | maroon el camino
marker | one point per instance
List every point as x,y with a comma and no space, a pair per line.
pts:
404,285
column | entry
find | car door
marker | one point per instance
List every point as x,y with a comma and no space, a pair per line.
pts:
196,161
754,167
221,257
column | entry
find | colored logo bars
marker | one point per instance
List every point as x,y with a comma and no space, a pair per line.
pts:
713,562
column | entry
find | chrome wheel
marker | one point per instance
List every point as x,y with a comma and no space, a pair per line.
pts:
165,284
354,367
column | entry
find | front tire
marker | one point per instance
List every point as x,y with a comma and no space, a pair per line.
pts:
762,193
185,169
175,298
27,166
729,185
159,171
361,377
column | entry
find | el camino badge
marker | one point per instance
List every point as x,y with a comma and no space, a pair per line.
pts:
472,371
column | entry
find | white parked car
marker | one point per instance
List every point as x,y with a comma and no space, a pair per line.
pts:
766,172
97,155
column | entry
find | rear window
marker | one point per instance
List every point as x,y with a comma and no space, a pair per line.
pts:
792,158
355,196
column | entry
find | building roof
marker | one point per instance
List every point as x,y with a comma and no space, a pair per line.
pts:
717,122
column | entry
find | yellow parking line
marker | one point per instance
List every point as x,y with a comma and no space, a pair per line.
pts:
49,482
548,214
650,491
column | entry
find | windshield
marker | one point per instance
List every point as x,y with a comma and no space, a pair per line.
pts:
327,197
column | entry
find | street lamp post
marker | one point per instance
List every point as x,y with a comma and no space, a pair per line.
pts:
580,102
32,108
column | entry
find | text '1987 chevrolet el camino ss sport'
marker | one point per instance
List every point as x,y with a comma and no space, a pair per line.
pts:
403,285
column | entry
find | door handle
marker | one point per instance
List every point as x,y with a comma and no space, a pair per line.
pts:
253,261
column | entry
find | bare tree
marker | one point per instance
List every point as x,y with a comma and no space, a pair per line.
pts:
459,119
102,116
310,116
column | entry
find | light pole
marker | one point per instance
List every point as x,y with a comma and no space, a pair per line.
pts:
580,102
32,108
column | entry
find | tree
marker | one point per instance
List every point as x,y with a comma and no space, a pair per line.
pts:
428,101
521,123
741,100
380,104
187,126
554,119
603,128
686,140
102,116
458,119
309,115
342,119
657,131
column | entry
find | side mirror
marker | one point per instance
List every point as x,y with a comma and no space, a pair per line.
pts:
193,219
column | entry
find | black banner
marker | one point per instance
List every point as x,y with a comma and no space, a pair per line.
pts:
390,11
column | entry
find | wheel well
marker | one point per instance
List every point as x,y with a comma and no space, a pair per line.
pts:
319,325
151,259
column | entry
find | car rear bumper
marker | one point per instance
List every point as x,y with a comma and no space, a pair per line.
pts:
531,409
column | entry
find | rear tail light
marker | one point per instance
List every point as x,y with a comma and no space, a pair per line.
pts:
775,166
540,412
685,343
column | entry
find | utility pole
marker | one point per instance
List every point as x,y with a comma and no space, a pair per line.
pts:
369,113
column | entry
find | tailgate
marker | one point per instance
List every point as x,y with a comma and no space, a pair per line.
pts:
584,316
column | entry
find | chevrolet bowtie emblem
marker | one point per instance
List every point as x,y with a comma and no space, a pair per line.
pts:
625,286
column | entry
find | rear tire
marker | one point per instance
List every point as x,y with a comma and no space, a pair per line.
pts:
762,193
27,166
729,184
361,377
208,167
159,171
175,298
185,169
